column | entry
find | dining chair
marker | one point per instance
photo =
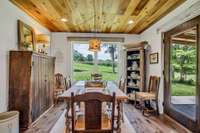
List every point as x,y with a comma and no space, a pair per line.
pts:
93,120
66,83
150,95
69,81
96,76
120,82
122,87
59,86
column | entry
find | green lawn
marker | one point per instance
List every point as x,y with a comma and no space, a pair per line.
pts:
83,72
179,89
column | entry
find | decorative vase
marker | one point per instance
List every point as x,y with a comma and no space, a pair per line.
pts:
9,122
134,66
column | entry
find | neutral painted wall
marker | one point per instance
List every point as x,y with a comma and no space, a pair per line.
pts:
61,48
153,35
9,15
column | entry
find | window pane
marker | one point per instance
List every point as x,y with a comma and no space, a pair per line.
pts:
83,61
107,61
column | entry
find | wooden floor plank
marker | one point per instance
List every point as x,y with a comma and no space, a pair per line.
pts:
47,121
139,123
161,124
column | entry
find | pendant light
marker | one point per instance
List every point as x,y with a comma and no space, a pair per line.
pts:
94,43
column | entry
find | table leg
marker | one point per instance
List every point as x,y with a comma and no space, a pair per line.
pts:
67,122
122,111
119,117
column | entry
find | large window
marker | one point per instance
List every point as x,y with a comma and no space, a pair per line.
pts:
86,62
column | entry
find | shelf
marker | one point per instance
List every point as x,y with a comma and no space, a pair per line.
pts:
133,56
133,59
133,78
134,87
134,70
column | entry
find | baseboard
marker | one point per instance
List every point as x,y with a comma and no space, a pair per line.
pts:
176,124
42,115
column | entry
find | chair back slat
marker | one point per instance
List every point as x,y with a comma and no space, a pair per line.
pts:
93,114
96,76
66,84
122,84
93,96
69,82
154,82
93,110
59,81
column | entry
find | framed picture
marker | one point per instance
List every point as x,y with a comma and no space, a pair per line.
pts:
154,58
26,37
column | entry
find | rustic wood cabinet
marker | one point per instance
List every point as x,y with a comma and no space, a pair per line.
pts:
31,84
135,69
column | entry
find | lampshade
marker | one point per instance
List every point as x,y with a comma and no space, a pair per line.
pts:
28,39
41,38
94,45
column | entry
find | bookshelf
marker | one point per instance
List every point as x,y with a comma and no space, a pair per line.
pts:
135,70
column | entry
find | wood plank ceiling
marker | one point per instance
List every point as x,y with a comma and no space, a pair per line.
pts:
105,16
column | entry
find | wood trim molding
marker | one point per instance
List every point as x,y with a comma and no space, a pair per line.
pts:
103,39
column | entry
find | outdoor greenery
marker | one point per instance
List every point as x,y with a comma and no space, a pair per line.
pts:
84,65
83,71
111,49
179,89
183,70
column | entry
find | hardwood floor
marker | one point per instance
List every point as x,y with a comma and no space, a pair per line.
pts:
161,124
59,127
47,121
53,122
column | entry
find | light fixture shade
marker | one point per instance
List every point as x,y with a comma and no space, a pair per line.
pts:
28,39
95,45
41,38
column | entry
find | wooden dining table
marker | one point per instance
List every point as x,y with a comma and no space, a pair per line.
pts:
79,88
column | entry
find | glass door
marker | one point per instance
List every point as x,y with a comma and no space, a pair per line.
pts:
181,74
183,70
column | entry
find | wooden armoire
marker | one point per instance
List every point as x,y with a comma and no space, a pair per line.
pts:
31,84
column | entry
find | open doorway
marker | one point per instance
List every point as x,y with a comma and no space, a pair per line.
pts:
181,92
183,72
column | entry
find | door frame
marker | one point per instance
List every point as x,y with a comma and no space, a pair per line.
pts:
193,125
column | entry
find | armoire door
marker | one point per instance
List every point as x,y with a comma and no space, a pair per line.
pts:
51,80
43,82
35,88
47,86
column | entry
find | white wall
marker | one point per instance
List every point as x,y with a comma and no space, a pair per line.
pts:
9,15
186,11
61,49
